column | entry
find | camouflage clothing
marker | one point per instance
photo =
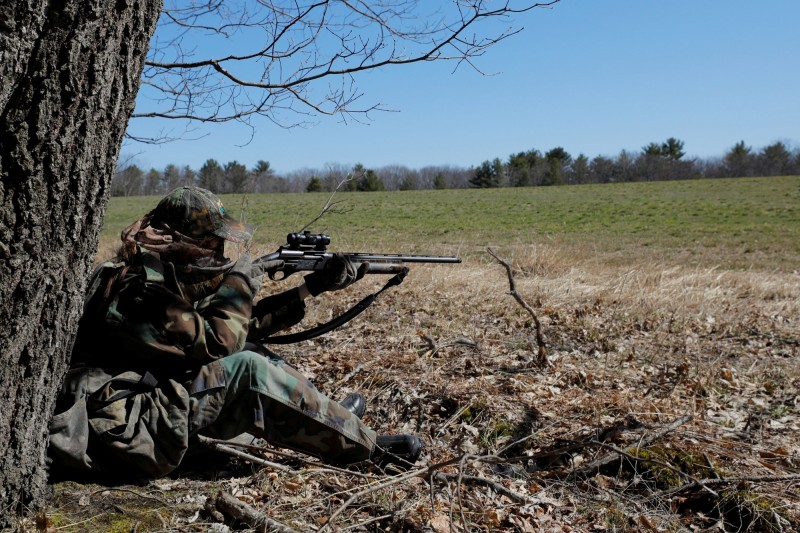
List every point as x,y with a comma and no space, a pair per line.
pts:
266,397
150,369
197,213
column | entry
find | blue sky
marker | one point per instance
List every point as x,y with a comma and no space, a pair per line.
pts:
591,76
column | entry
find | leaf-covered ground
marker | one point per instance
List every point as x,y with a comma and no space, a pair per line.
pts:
669,403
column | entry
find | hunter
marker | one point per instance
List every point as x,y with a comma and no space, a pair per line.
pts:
168,349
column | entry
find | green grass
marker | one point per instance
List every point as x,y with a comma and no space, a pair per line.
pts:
735,223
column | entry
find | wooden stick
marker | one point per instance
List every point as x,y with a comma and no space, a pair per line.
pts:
497,487
431,471
349,376
592,467
222,447
541,357
235,509
733,480
634,458
230,448
372,487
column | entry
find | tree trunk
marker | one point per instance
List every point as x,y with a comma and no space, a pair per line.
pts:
70,71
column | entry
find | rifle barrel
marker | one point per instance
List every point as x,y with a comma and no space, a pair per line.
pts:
388,258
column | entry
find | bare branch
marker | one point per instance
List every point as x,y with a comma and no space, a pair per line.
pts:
330,204
198,69
541,358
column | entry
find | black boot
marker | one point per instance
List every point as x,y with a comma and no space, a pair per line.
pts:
355,403
401,451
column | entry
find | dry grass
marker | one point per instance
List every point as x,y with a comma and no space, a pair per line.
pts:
647,343
449,355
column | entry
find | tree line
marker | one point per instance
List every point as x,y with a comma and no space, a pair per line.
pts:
654,162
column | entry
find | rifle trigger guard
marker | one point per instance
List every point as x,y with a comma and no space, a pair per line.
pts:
278,275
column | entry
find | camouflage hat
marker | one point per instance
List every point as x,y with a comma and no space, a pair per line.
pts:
198,213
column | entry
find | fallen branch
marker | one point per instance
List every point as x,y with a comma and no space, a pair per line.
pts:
453,418
228,448
123,489
648,439
434,348
458,341
362,525
634,458
220,446
732,481
373,487
497,487
350,375
237,510
431,471
541,356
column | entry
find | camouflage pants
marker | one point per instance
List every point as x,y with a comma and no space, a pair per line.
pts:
247,392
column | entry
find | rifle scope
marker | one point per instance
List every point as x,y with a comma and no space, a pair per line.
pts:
318,240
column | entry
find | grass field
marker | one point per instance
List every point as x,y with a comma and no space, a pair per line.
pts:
670,315
733,223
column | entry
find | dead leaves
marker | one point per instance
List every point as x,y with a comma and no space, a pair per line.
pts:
451,362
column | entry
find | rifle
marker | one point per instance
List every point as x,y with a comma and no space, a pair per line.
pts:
308,251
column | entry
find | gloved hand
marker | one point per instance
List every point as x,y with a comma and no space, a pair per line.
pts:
261,267
339,273
244,268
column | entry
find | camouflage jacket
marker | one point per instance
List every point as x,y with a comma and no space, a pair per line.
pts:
150,326
139,331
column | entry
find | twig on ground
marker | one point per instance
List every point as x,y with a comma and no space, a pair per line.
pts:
226,448
592,467
350,375
497,487
711,467
367,522
434,348
76,524
122,489
453,418
621,453
541,356
459,498
432,472
238,510
732,481
372,487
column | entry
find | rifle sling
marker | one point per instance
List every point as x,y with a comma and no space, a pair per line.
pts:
340,320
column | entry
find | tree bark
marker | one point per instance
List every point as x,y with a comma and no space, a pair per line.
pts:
70,71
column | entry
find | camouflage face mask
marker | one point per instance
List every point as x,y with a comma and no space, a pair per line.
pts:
169,242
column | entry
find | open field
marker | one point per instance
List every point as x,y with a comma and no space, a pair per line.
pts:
670,313
740,223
